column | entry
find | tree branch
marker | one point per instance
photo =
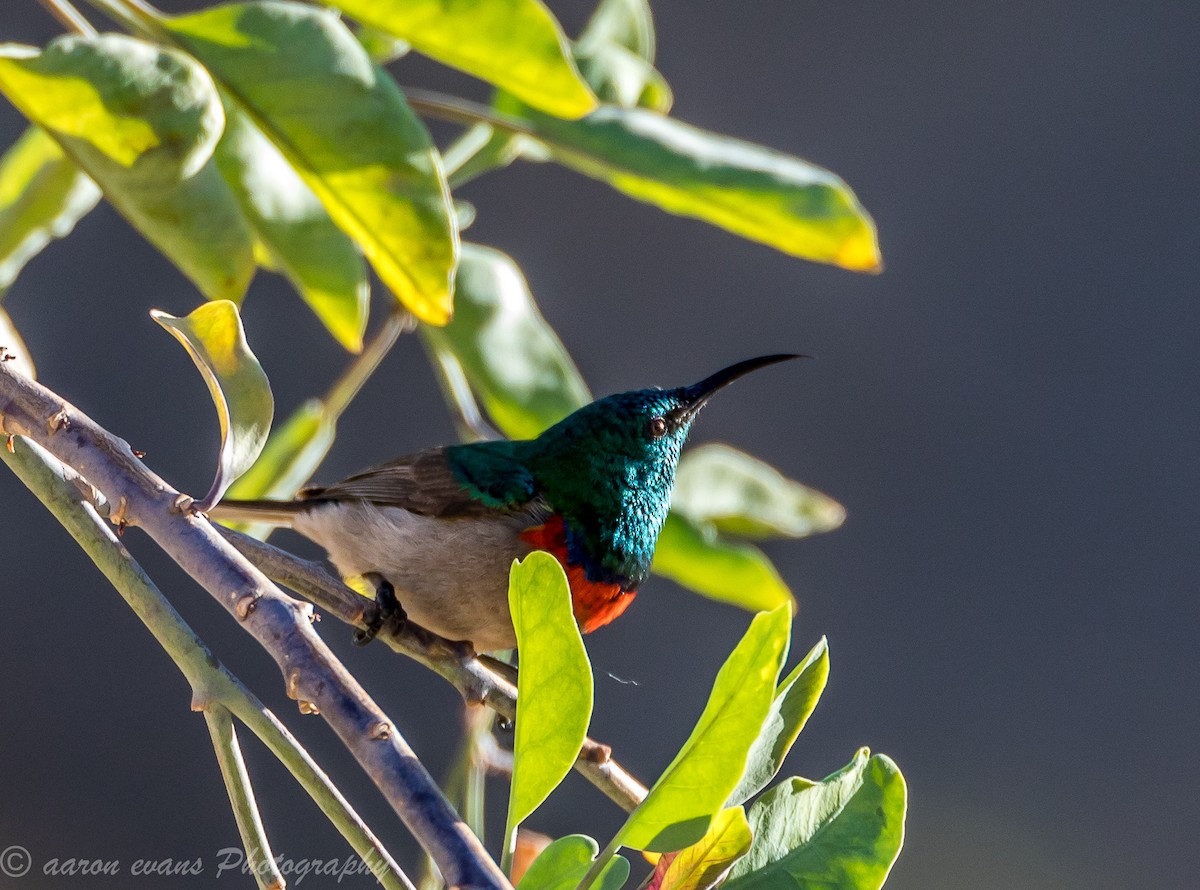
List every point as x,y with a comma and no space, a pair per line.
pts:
480,679
312,673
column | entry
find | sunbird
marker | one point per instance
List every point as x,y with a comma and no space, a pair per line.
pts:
436,531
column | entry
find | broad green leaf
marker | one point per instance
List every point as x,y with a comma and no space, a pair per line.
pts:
843,832
42,195
554,700
13,352
794,703
682,804
562,865
705,863
517,45
343,124
142,122
317,257
510,356
744,496
727,571
214,338
625,23
752,191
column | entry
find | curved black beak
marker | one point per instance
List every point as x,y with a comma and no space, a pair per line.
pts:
698,393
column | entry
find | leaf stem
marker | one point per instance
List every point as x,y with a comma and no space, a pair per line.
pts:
463,111
346,387
69,17
138,18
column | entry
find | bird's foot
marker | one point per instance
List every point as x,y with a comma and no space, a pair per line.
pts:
387,612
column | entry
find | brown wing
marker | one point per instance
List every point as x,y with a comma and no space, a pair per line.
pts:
421,483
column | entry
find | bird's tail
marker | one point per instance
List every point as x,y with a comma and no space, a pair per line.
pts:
273,512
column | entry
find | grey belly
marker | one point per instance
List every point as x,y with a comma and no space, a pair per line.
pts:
450,575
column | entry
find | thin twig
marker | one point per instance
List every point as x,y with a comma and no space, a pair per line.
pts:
241,798
480,679
463,111
313,674
70,499
69,17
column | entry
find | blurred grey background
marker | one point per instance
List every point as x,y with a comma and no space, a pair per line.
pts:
1009,414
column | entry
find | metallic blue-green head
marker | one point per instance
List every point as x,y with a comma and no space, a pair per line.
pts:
608,470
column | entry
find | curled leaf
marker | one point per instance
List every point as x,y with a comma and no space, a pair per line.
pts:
214,338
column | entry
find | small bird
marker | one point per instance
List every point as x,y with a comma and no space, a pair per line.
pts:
437,531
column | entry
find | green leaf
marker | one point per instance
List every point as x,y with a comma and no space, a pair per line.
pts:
843,832
794,703
343,124
142,122
562,865
317,257
621,77
214,338
13,351
554,701
625,23
517,45
705,863
752,191
510,356
727,571
681,806
42,196
744,496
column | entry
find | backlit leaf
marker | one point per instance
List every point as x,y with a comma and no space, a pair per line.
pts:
731,572
142,122
554,692
509,355
705,863
682,804
744,496
621,77
317,257
517,45
844,832
625,23
794,703
42,195
562,865
214,338
343,124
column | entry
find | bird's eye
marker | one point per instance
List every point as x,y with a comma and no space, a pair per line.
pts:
658,428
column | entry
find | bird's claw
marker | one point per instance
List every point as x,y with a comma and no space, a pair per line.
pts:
387,612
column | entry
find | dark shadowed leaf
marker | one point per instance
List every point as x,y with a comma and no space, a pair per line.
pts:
214,338
517,45
352,137
794,703
682,804
42,195
705,863
142,122
844,832
554,704
317,257
744,496
510,356
728,571
752,191
563,864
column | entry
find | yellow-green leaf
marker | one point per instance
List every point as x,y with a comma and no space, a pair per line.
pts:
42,196
731,572
705,863
343,124
794,703
142,122
511,358
845,831
682,804
554,700
317,257
562,865
214,338
746,497
517,45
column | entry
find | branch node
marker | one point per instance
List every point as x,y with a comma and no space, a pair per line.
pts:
59,420
307,707
381,731
597,753
119,515
183,502
12,445
246,605
293,684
